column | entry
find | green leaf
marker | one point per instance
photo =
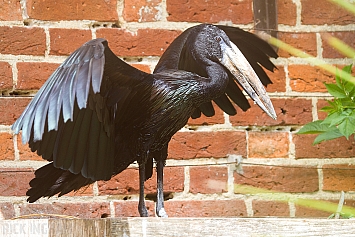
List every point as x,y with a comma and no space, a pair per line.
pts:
313,128
336,120
328,109
335,91
352,93
340,120
329,119
332,108
347,127
328,135
347,68
346,86
346,103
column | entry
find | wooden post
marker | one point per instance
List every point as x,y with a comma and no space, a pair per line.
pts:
163,227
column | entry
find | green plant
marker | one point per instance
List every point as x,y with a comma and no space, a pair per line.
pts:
340,120
321,205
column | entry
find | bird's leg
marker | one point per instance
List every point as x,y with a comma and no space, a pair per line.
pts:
160,195
141,205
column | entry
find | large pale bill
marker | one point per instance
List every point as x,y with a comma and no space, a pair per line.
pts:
234,60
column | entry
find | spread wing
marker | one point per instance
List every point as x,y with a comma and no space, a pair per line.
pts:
71,120
256,51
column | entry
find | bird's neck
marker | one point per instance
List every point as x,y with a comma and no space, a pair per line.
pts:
217,81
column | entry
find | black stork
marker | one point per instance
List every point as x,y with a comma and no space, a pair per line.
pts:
96,115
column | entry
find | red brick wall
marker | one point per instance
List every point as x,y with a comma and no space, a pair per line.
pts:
36,36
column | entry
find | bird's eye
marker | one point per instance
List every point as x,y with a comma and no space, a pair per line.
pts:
218,39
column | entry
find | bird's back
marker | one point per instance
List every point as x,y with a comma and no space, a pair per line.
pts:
165,109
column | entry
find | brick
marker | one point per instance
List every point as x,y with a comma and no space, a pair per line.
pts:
320,104
307,212
278,79
290,111
324,12
339,147
329,51
173,180
7,151
217,144
270,208
10,10
129,208
81,210
286,12
206,208
14,181
239,12
31,76
66,41
144,42
127,182
306,42
306,78
22,40
218,118
208,179
347,202
268,145
339,177
7,210
5,76
25,151
11,109
143,11
99,10
84,191
279,179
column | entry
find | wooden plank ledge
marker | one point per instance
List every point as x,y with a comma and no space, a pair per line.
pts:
159,227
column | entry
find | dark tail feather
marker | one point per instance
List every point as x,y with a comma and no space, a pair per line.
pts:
49,181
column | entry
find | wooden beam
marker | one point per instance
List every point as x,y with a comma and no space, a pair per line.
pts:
163,227
265,18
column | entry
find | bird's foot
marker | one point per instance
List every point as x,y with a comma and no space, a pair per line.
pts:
143,212
162,213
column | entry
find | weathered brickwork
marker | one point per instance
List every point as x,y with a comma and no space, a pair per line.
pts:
36,36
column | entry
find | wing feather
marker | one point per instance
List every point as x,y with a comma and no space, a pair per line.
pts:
225,103
96,75
71,120
61,160
196,114
92,149
207,109
236,95
81,150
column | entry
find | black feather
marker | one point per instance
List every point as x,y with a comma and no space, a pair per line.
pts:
96,114
224,103
236,95
196,114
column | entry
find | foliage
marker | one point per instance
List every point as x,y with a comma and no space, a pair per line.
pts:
340,120
342,215
326,206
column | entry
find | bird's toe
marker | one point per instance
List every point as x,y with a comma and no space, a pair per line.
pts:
143,212
162,213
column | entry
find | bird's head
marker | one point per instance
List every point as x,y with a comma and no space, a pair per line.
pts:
212,46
